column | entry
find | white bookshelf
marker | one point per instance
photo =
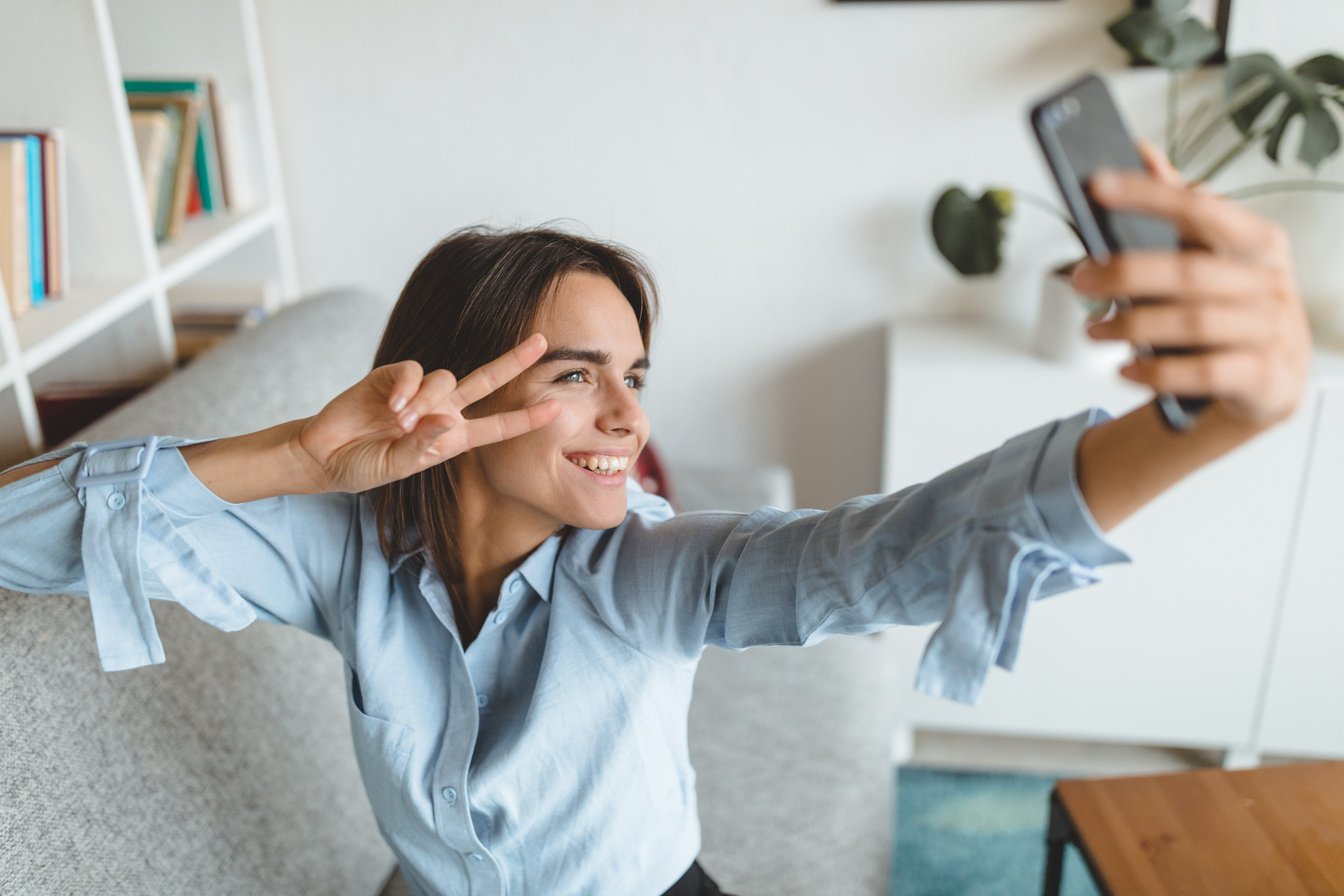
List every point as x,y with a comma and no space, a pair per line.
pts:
64,61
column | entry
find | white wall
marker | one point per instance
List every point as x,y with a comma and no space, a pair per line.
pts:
774,159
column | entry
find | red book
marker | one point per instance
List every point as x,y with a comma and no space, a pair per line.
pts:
194,204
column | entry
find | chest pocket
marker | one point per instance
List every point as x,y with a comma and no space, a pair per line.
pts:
383,750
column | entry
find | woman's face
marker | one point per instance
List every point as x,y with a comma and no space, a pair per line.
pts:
572,471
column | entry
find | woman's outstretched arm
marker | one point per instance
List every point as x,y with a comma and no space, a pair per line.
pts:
1231,294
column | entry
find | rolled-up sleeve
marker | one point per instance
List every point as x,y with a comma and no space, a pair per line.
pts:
968,550
85,527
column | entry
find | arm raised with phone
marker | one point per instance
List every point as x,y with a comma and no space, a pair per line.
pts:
1218,320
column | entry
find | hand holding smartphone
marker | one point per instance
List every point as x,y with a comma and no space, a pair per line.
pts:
1080,131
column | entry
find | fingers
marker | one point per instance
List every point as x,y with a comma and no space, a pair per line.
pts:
1201,217
401,380
489,377
1186,325
1190,275
436,388
510,424
1213,373
1157,163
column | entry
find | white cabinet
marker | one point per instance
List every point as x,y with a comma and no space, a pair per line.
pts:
1171,649
1306,676
62,62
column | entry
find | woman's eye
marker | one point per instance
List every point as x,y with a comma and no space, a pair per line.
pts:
573,376
634,382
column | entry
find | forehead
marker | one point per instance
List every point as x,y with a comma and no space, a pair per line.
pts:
586,310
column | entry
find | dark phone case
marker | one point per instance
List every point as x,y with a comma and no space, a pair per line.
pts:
1080,131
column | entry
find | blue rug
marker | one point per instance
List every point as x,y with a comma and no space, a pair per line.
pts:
975,834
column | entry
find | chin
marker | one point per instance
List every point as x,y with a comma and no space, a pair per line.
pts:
598,519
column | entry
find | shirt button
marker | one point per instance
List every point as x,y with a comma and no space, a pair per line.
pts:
116,500
500,617
450,795
474,856
516,584
481,700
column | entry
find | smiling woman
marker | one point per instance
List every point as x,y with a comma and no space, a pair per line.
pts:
521,624
472,298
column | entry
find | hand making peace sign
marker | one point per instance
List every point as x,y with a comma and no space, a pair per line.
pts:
399,420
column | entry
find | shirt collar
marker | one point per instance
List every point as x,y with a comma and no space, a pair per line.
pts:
537,569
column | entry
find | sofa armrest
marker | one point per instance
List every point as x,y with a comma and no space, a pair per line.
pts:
228,769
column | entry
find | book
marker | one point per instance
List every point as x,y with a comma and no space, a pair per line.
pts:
48,186
14,243
183,112
63,409
200,327
209,171
152,129
37,234
55,210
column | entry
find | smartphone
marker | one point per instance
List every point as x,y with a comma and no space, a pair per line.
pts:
1080,130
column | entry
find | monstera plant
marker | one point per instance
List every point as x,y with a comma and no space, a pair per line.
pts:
1259,99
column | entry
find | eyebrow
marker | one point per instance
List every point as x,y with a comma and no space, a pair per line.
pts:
588,355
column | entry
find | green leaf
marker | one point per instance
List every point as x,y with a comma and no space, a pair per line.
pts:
1324,69
1302,91
1320,136
969,232
1164,34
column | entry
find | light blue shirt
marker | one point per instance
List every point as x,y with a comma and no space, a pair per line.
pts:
551,756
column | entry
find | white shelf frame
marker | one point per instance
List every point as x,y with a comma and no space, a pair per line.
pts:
91,306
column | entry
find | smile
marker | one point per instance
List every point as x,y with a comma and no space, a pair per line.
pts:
601,464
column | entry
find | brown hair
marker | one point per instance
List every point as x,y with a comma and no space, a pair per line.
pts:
471,299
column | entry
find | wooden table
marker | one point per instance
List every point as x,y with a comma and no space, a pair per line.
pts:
1271,831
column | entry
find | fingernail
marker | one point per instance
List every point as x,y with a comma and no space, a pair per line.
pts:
1084,277
1129,371
408,420
399,404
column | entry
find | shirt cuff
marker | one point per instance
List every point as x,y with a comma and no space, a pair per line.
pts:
176,487
1054,491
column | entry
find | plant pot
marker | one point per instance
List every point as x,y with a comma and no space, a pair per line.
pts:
1061,325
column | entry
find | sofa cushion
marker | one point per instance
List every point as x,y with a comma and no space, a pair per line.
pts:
228,769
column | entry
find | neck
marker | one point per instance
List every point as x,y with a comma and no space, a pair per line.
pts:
493,541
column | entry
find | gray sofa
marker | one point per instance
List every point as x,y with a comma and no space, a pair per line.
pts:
229,769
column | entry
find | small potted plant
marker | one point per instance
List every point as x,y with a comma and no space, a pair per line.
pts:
1259,99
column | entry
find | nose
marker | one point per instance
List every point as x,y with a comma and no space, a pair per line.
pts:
621,412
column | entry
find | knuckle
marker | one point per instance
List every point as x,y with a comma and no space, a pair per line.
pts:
1189,270
1208,369
1198,323
1275,238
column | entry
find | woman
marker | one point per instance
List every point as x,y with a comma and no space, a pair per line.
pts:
521,626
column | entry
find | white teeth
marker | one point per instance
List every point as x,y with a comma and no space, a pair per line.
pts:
602,463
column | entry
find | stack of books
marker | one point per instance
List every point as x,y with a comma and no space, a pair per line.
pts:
199,328
179,140
34,255
63,409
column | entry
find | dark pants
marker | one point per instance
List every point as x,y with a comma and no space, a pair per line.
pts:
695,882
